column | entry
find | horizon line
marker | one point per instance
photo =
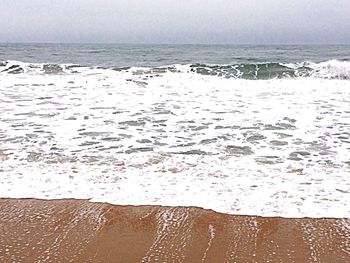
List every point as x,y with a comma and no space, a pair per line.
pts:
174,44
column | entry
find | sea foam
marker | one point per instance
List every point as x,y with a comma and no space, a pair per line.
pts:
171,136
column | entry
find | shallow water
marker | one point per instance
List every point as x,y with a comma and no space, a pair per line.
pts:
174,136
78,231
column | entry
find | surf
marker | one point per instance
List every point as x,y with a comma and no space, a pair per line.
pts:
331,69
171,136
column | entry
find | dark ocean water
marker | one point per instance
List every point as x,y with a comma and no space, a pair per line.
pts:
247,62
161,55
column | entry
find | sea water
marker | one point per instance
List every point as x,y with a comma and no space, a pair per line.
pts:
252,130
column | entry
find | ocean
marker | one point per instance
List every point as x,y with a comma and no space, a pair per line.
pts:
239,129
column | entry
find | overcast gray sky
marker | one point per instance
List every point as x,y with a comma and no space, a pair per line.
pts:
175,21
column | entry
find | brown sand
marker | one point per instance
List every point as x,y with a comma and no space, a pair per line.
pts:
79,231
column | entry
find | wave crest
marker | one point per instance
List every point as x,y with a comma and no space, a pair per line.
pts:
332,69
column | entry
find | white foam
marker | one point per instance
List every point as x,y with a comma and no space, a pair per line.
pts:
331,69
57,133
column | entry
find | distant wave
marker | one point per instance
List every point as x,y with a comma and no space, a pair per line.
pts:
331,69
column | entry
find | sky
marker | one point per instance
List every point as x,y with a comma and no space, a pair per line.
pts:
176,21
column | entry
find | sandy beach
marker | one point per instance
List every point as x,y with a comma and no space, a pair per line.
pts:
80,231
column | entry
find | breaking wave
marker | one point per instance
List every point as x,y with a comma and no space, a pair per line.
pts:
332,69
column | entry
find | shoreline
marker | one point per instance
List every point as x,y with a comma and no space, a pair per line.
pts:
168,207
70,230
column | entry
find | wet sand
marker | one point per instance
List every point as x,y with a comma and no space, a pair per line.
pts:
79,231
